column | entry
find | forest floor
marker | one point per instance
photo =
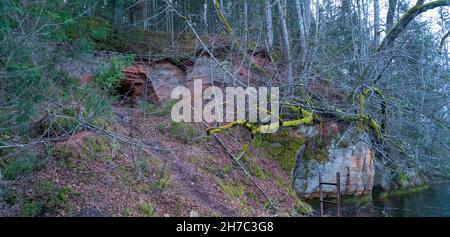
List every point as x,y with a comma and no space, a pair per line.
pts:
169,169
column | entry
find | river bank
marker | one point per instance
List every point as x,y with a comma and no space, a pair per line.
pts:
425,201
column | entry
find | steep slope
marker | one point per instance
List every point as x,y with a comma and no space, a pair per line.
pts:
144,165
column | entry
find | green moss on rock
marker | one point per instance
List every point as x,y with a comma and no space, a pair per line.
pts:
317,150
280,146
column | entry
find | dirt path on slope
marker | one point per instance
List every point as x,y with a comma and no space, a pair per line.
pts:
197,186
192,184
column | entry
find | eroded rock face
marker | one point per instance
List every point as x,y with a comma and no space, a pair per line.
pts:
355,160
165,77
210,72
384,177
388,179
136,83
153,82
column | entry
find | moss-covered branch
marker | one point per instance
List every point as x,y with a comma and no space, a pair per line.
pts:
307,118
222,18
407,18
365,121
249,126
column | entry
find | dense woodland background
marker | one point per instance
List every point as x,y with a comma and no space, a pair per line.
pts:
382,68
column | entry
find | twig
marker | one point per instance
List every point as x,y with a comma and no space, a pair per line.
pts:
241,166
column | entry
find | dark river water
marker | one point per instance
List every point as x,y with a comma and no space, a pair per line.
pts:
431,202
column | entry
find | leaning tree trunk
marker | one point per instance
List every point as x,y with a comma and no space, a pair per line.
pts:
386,43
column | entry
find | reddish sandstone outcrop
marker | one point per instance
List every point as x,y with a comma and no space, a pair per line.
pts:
136,83
153,82
165,76
354,161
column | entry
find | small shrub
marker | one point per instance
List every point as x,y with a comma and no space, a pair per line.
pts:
96,106
303,208
65,156
110,76
142,165
161,183
252,196
21,166
60,198
236,192
192,159
148,108
50,198
166,108
65,124
126,212
9,197
91,147
95,32
212,167
254,169
31,209
163,110
147,209
95,145
227,169
183,132
231,189
402,177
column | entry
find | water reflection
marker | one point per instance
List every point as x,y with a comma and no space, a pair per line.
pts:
431,202
434,201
